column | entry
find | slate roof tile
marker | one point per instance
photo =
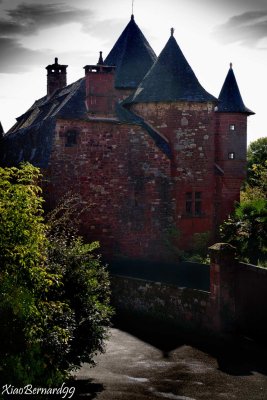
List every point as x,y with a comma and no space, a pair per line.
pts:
170,79
230,99
132,55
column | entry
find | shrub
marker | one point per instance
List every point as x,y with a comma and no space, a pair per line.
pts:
54,290
246,229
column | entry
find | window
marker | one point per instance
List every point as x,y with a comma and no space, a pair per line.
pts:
193,203
188,203
231,156
232,127
198,203
71,138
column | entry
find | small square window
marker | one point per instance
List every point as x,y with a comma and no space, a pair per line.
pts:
232,127
71,138
231,156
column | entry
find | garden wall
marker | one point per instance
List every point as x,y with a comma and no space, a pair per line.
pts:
236,301
161,301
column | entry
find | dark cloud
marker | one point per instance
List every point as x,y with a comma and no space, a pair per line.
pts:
27,19
247,28
16,58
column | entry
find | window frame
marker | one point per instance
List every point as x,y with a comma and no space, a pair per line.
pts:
193,204
189,203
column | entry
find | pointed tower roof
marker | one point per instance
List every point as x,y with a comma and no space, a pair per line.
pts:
171,79
230,99
132,55
1,130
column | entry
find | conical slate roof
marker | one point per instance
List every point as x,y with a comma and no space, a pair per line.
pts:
171,79
230,99
1,130
132,56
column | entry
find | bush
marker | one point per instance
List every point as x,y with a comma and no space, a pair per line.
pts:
85,282
246,229
54,291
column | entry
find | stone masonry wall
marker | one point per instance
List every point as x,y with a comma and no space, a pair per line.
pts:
161,301
123,179
190,129
235,304
231,138
251,299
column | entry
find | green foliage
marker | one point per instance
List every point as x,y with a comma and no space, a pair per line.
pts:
25,279
171,242
256,158
85,282
256,186
199,251
246,229
54,291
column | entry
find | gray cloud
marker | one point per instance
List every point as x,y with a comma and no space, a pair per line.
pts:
247,28
26,19
16,58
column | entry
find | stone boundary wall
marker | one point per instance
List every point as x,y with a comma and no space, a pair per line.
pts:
236,302
238,293
251,299
162,301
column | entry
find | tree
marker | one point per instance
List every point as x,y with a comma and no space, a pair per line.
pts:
246,229
256,158
256,188
85,281
54,290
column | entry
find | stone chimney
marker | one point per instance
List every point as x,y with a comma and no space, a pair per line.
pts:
100,91
56,77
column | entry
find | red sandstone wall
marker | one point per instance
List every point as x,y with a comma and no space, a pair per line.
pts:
251,299
124,179
100,93
136,195
230,141
190,129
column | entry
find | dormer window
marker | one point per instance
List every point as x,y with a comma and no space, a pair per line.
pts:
71,138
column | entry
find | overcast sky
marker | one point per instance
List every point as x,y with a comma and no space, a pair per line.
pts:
211,34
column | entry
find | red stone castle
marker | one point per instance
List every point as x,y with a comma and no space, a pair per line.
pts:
147,148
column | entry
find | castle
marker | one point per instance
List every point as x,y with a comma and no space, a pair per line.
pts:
147,148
